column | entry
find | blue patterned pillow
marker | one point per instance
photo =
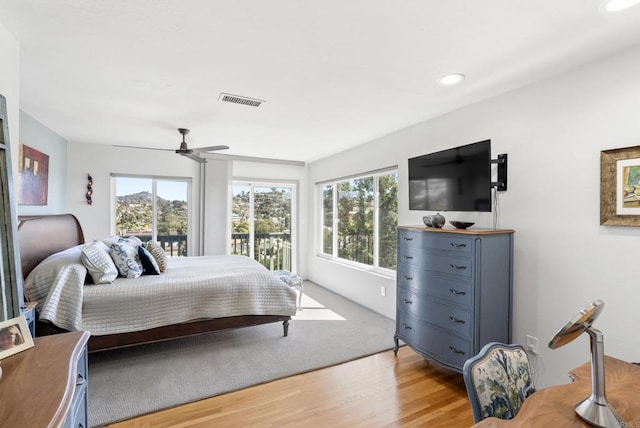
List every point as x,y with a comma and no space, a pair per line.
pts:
126,259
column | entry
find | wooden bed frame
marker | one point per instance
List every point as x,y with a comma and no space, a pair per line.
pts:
41,236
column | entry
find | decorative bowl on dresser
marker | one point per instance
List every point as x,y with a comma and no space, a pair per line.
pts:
454,291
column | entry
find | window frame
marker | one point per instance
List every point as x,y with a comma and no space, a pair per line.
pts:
252,183
319,187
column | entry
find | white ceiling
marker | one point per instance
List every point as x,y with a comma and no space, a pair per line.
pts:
334,73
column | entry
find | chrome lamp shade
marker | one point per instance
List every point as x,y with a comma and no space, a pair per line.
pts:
595,409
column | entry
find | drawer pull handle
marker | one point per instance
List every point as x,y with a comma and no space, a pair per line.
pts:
408,327
456,245
460,293
408,302
408,278
408,239
456,320
408,257
457,267
456,351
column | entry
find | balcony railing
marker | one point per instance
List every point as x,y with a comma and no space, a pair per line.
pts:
272,250
173,245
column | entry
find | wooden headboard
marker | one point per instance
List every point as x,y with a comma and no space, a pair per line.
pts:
41,236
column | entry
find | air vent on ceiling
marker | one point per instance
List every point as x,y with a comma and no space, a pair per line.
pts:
230,98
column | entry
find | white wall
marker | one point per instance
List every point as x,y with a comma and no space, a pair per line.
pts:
217,227
9,88
101,161
553,133
34,134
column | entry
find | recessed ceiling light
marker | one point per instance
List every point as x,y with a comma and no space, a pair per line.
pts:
452,79
616,5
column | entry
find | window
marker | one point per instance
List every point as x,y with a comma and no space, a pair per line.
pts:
359,218
154,209
262,223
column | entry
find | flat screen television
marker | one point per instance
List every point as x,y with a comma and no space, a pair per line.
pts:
457,179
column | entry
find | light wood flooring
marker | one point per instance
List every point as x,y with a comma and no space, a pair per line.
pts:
378,391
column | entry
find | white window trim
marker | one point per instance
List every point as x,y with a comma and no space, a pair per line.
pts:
294,185
375,268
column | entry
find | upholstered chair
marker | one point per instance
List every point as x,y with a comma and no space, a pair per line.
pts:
498,380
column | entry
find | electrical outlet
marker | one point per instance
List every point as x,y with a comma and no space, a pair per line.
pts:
383,291
532,344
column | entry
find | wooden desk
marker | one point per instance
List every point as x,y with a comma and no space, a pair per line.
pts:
38,384
554,406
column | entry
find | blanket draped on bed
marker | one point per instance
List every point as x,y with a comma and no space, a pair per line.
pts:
191,288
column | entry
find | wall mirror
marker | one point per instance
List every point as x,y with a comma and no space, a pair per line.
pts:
11,296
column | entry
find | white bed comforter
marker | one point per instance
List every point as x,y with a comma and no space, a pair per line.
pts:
190,288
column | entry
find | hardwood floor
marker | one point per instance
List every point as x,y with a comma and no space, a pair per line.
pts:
378,391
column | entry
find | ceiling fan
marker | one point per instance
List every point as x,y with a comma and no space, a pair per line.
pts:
184,150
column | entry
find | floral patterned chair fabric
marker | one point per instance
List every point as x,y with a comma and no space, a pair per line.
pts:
498,380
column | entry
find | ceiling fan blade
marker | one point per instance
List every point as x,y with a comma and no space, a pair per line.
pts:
193,157
210,149
143,148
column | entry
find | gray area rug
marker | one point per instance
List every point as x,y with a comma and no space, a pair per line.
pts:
329,330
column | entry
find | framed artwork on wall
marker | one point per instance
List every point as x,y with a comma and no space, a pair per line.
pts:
33,176
14,336
620,187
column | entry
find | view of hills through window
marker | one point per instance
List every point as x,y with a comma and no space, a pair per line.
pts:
135,212
134,215
264,234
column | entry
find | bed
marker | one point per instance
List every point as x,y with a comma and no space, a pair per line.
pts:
195,295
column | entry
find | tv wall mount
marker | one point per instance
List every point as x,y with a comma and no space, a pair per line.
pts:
501,184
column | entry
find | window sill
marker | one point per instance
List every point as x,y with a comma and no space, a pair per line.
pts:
387,273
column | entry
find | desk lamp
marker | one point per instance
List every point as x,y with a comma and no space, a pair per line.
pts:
595,410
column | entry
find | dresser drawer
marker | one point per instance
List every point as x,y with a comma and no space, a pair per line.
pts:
449,290
453,288
77,416
412,259
440,345
82,368
459,244
446,317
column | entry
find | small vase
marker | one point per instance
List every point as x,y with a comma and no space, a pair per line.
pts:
438,221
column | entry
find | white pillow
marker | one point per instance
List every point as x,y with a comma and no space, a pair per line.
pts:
126,259
95,257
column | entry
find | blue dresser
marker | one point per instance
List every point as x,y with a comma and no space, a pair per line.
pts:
454,291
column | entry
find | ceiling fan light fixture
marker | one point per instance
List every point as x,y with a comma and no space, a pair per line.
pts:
451,79
618,5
